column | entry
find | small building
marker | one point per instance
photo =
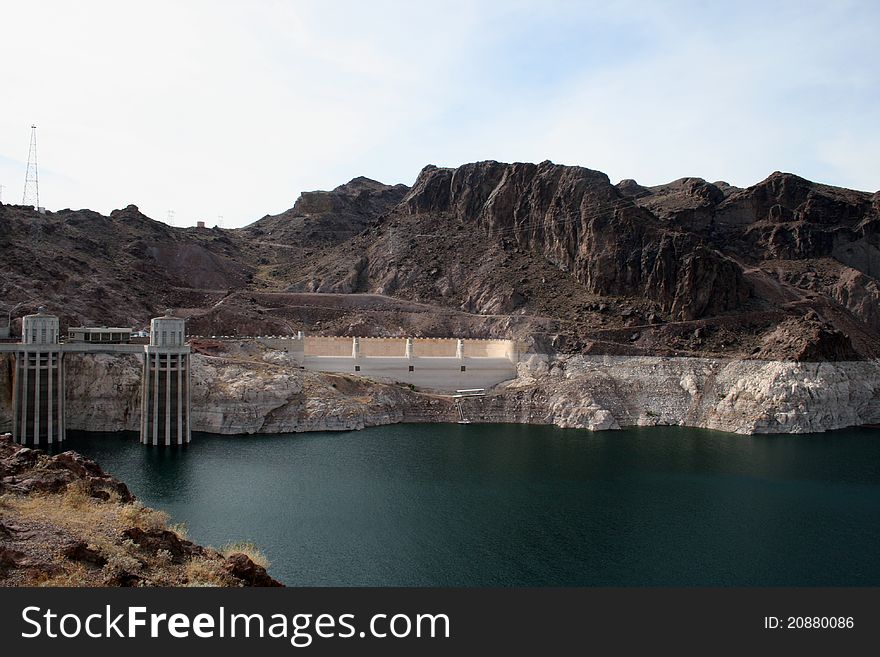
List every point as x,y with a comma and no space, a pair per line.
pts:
99,334
200,224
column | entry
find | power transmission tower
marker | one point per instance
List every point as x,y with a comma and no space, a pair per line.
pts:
31,194
1,192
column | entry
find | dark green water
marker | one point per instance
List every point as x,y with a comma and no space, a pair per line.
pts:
478,505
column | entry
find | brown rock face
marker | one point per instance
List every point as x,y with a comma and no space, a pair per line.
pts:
79,551
786,197
9,559
154,540
241,567
576,219
808,340
687,202
787,217
25,470
328,217
124,579
860,294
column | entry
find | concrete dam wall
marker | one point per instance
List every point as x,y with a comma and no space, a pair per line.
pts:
444,364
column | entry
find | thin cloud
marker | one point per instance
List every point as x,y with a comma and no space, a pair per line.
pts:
234,108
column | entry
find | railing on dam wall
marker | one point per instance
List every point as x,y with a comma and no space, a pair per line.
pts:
320,346
409,347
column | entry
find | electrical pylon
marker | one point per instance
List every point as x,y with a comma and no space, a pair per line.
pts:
31,194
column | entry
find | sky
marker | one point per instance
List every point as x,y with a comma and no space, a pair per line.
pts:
224,111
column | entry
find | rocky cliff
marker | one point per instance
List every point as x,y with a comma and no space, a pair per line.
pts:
269,394
328,217
741,396
577,220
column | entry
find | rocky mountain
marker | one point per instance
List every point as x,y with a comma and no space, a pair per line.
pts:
556,255
107,270
327,217
579,222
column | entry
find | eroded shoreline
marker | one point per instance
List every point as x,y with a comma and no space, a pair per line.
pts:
263,391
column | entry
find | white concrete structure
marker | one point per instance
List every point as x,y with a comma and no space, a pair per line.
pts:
437,363
167,331
38,387
40,328
165,388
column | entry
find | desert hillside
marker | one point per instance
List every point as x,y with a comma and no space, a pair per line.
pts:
555,255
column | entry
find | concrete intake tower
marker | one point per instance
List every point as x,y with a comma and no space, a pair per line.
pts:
38,387
165,387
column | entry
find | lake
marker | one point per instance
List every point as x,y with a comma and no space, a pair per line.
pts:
520,505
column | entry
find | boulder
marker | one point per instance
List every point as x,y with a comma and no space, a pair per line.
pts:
154,540
241,567
81,552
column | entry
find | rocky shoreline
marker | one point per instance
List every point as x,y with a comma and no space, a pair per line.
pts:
739,396
263,391
66,522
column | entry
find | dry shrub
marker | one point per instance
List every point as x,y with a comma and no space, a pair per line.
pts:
73,575
164,558
205,572
114,497
78,516
248,549
180,529
120,562
138,515
77,495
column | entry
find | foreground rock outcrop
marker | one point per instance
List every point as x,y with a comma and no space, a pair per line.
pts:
66,522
